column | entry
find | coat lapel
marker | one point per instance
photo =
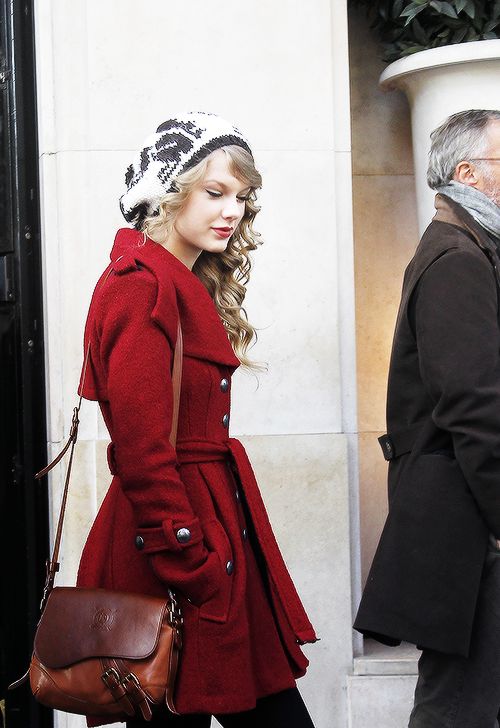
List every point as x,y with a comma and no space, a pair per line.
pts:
447,210
433,246
203,331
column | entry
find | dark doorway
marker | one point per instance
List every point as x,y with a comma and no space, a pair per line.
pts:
23,501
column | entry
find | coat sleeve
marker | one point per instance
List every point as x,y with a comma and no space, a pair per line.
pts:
135,356
458,339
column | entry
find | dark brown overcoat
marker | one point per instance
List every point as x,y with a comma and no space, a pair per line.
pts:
443,419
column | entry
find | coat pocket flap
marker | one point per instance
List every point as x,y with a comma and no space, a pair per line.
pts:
81,623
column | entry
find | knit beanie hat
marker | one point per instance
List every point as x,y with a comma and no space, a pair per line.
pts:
178,144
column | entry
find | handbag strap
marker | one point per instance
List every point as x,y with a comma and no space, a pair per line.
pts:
52,564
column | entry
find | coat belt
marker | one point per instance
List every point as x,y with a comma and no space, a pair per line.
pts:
188,451
201,451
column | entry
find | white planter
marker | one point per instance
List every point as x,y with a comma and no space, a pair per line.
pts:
440,82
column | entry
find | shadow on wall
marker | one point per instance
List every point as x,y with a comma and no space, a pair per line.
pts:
385,237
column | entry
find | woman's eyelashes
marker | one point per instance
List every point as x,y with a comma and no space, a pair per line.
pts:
216,194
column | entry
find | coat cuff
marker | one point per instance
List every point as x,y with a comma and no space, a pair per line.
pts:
172,535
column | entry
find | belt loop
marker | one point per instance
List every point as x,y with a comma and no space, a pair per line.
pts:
400,442
387,447
110,452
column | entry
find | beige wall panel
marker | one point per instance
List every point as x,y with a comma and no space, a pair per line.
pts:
381,133
385,235
372,496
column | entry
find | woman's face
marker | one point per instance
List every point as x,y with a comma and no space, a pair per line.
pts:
211,213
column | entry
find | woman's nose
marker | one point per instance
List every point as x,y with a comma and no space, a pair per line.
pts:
231,210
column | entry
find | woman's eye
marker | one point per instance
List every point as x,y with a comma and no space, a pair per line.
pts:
213,193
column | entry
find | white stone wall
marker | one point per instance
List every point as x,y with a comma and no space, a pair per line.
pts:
109,71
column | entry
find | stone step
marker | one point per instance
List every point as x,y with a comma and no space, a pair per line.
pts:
380,690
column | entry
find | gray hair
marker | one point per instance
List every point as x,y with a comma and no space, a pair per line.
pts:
461,137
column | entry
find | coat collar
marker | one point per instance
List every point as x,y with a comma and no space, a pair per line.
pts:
437,240
204,335
447,210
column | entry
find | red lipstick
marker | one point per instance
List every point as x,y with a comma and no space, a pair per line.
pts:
223,232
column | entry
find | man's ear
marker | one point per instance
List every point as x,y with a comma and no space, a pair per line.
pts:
466,173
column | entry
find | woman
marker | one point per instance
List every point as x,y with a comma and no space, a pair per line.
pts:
191,519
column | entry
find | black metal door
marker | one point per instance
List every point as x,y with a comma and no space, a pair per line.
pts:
23,502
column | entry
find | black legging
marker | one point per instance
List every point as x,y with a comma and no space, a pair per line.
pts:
281,710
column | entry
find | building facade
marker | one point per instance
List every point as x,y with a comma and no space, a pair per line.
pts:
325,283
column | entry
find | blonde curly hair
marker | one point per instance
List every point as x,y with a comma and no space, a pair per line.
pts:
224,275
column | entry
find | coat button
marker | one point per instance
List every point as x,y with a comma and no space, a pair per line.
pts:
224,385
244,534
139,543
225,420
183,535
229,568
237,494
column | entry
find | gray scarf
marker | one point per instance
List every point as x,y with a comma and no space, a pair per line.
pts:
483,210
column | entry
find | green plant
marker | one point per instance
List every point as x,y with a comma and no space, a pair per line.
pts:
408,26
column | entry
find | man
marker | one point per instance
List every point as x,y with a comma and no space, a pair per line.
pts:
435,578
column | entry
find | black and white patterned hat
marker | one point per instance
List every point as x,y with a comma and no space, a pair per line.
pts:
178,144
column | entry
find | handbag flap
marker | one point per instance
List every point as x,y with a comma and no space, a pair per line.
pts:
80,623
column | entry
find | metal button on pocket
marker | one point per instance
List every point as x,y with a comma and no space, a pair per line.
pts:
237,494
224,385
183,535
244,533
139,543
229,568
225,420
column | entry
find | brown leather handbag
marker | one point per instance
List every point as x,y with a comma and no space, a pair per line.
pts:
102,652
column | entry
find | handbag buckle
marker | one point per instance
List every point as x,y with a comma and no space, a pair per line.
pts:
111,678
130,677
136,694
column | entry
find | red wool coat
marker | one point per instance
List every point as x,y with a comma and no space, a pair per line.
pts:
243,622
